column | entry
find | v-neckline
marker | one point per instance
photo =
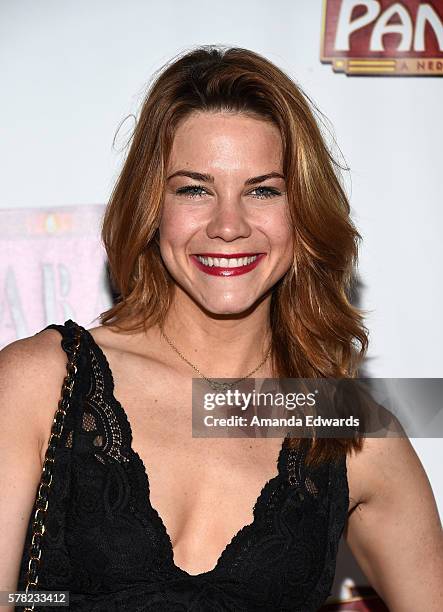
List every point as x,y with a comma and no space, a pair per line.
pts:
110,390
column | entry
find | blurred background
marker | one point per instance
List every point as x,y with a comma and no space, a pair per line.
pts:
74,75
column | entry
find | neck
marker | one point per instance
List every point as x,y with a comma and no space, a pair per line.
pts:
221,346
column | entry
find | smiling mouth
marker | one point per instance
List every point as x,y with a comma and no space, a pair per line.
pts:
227,261
224,264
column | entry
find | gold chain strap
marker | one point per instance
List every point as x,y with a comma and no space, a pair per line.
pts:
41,504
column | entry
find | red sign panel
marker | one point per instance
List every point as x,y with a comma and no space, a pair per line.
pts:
374,37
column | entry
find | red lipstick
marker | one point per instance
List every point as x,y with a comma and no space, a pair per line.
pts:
227,271
228,255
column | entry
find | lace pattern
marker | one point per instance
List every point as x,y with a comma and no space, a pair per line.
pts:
108,546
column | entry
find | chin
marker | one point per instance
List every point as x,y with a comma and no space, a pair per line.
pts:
226,307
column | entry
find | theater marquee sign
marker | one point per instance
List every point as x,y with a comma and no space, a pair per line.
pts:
381,37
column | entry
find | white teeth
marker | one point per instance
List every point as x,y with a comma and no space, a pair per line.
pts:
224,262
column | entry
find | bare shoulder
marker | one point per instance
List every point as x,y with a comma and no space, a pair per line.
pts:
394,531
31,374
119,345
381,466
109,337
32,360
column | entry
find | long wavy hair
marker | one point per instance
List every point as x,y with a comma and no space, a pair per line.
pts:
316,331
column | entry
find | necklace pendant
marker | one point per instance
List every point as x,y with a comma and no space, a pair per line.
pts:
219,386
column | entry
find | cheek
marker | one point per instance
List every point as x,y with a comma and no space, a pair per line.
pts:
177,225
279,231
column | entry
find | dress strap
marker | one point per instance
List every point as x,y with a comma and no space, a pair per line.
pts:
70,333
38,523
101,426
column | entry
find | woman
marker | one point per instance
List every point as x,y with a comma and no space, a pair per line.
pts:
231,247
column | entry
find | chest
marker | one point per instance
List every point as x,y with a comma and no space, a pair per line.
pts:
204,489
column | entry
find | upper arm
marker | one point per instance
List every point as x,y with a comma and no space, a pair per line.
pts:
395,533
31,374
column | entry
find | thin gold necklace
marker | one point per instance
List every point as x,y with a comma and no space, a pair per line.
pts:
217,386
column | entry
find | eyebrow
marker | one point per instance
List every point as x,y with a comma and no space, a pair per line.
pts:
208,178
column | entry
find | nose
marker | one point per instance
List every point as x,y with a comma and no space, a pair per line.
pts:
228,221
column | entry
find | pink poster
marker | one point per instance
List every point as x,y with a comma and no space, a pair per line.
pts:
52,268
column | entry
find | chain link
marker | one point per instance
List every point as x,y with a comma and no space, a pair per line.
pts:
42,497
214,384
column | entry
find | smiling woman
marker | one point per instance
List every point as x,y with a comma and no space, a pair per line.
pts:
227,222
232,250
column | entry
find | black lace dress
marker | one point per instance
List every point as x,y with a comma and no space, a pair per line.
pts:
107,546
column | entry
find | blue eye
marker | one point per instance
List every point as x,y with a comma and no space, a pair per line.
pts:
194,191
267,192
190,191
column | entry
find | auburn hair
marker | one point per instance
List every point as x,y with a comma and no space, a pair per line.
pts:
316,331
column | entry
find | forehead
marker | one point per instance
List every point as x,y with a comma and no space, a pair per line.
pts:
226,141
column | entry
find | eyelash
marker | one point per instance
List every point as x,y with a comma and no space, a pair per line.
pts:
187,191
